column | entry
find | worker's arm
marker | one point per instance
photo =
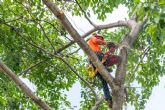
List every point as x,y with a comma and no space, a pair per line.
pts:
98,41
112,60
107,54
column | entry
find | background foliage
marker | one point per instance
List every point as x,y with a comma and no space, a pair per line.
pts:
26,24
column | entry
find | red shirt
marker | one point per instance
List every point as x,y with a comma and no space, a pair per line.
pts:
95,42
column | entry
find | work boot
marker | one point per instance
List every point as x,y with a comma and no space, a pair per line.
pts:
110,103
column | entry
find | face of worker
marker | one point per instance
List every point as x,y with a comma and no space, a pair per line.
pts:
99,37
112,49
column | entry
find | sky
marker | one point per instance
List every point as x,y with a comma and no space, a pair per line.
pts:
82,25
157,98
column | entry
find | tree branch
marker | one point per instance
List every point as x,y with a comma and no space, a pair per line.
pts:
21,17
47,37
142,57
85,14
27,9
24,87
31,67
99,27
73,52
121,69
128,39
98,102
92,89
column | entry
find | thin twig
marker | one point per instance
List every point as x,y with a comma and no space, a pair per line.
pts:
73,52
28,69
97,103
73,70
54,28
134,15
141,58
39,25
85,14
47,37
34,45
21,17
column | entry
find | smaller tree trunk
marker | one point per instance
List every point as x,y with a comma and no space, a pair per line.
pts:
118,98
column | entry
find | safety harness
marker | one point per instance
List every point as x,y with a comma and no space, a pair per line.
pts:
91,71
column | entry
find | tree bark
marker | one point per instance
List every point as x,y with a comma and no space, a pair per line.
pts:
118,98
119,93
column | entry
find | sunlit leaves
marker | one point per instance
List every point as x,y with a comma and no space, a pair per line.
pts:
20,25
19,29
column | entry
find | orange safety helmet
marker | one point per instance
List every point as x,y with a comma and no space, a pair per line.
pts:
98,36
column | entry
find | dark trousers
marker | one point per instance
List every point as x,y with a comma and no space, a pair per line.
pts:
105,88
104,83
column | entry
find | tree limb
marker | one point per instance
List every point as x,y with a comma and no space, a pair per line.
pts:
99,27
128,39
73,52
21,17
97,103
121,69
24,87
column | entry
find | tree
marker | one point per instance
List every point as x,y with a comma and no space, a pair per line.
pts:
35,44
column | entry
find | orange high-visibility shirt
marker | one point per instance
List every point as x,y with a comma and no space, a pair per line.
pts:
95,43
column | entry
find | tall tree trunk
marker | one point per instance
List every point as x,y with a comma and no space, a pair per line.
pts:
119,93
118,98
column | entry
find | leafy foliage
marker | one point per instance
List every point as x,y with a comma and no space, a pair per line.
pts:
27,27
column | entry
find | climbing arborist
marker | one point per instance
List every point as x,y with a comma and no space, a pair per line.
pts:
94,42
